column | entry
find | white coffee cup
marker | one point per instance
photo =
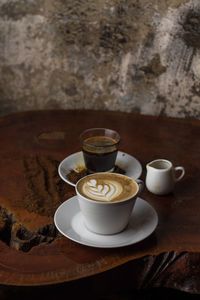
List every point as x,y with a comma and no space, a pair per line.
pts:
107,217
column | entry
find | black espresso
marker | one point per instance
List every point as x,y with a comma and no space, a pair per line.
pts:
100,153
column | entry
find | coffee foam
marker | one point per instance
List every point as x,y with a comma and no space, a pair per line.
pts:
106,191
107,187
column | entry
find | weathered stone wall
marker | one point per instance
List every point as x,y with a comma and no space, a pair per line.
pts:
129,55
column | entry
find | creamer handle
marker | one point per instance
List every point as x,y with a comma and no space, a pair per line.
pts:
182,173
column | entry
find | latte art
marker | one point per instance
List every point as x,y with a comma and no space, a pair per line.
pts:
107,187
106,191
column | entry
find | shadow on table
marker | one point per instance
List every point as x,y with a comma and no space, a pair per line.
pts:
83,289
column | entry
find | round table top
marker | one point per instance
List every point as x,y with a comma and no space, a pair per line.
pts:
32,146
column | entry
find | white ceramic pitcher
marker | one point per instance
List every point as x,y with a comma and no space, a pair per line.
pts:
161,177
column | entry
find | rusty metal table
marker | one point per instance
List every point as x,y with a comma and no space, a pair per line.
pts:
33,253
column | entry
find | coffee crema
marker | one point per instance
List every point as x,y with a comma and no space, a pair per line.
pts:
99,144
107,187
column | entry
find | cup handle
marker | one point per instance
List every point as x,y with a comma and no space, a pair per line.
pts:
182,173
140,184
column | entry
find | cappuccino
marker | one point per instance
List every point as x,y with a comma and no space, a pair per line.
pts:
107,187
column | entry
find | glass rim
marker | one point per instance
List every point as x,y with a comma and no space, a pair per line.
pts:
100,129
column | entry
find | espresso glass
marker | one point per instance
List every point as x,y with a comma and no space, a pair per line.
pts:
100,147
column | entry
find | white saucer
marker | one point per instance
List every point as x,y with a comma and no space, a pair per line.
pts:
126,162
69,221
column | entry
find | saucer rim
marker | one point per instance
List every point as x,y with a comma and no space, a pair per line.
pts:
80,152
129,242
